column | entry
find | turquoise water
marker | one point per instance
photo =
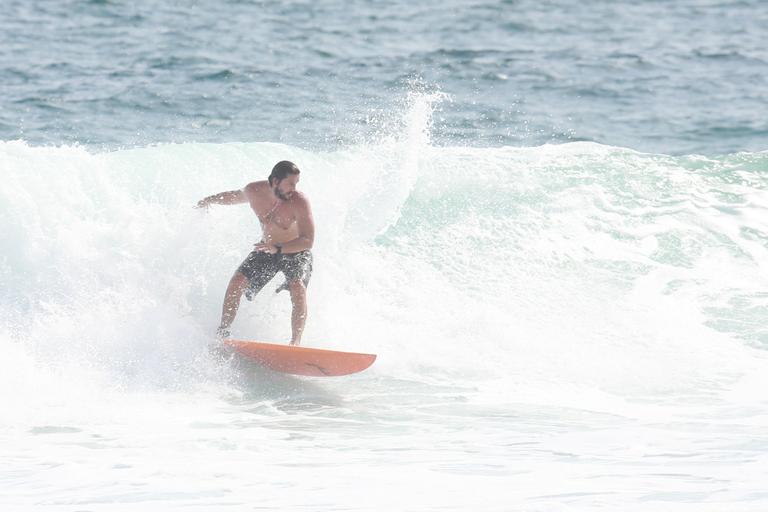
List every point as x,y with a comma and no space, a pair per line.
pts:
565,284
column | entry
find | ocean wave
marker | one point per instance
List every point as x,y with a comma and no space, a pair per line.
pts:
531,256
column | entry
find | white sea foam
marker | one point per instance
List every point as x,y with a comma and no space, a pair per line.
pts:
579,311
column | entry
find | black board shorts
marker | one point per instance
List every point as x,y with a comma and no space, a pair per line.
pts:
260,267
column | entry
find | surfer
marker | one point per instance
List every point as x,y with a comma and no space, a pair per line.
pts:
288,233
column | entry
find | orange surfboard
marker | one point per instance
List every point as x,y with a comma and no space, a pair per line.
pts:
299,360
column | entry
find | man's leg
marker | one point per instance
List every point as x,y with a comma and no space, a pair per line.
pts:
257,269
237,284
299,314
297,269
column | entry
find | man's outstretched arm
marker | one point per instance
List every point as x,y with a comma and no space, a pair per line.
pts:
231,197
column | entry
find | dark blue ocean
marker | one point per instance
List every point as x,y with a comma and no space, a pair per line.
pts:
548,219
673,77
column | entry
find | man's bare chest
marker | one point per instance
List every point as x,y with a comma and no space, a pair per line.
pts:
274,213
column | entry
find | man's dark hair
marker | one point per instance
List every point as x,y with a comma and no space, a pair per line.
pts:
283,169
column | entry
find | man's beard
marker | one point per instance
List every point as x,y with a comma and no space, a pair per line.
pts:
280,195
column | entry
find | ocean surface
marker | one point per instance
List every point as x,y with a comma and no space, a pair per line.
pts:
548,219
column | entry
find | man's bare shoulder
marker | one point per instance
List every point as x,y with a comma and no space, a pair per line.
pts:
255,188
300,199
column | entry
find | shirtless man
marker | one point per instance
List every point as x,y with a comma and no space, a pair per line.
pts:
288,234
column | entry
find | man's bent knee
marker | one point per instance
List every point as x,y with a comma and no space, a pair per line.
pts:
238,281
297,289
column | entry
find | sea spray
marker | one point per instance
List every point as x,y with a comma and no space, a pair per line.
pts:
469,263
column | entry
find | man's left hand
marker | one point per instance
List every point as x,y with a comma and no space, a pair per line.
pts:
265,247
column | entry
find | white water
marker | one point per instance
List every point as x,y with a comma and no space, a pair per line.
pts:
558,328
